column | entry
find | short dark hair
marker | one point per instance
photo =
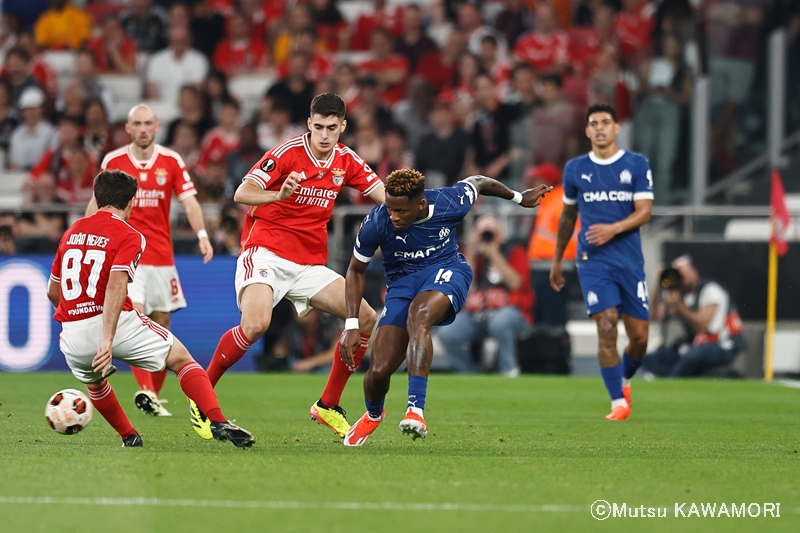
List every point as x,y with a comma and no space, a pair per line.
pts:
601,108
328,104
20,53
405,182
552,78
114,188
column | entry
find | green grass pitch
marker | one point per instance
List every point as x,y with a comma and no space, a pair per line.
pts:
523,455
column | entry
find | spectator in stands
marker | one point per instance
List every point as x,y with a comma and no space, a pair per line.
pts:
174,67
34,135
208,28
72,105
413,43
413,112
146,24
114,52
388,68
307,343
192,113
97,133
396,154
666,90
329,24
546,48
76,186
222,140
381,16
275,124
215,91
18,74
264,17
368,141
86,77
39,69
523,98
513,21
186,143
439,25
586,10
460,92
489,139
498,68
711,326
370,103
8,34
551,306
587,44
8,116
240,161
55,161
296,89
633,27
240,53
440,155
179,16
499,302
63,26
119,136
346,85
322,64
40,230
299,19
470,21
523,89
439,66
8,233
552,128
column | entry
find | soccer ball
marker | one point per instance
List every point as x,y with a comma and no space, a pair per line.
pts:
68,411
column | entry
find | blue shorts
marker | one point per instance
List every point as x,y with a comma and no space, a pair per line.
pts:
452,280
605,286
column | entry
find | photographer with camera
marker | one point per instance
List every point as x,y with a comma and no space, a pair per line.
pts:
499,302
700,324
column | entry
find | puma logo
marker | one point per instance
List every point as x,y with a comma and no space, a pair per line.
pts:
587,177
401,238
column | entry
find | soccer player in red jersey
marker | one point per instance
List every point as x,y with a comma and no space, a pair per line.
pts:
156,291
292,189
96,259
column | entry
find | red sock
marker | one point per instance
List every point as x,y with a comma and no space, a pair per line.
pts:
105,401
195,384
230,349
143,378
158,380
339,375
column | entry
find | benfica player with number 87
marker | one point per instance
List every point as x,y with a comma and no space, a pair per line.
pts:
291,191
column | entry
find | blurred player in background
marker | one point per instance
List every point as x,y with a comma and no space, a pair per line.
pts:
96,259
292,190
612,190
156,291
428,281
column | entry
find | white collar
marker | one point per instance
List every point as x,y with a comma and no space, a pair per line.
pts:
427,218
613,159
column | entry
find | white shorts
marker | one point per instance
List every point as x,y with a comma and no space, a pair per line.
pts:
158,288
297,283
139,341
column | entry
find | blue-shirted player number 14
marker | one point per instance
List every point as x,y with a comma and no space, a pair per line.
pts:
443,276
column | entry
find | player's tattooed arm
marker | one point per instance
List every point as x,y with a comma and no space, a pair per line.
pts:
491,187
249,193
566,225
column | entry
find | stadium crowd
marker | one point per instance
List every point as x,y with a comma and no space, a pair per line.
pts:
449,87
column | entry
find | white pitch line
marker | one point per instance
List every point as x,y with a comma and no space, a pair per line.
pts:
792,383
263,504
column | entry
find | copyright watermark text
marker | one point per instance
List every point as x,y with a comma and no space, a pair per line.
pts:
602,510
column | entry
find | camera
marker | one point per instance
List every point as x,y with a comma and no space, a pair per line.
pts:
670,279
487,236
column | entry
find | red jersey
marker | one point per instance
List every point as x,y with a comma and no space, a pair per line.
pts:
390,20
216,146
393,93
542,51
160,177
297,227
240,57
103,61
90,250
633,29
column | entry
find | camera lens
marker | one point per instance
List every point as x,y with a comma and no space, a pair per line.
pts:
487,236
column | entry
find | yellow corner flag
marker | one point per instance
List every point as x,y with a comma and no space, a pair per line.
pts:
779,223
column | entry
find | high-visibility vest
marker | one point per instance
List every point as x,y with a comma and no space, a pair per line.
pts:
542,245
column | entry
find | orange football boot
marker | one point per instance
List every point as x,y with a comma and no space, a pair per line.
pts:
359,432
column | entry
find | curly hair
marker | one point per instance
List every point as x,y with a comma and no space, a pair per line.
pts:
405,182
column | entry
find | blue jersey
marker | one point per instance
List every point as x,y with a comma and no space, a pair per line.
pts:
428,242
604,190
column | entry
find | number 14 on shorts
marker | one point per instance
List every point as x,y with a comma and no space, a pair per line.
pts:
641,291
443,276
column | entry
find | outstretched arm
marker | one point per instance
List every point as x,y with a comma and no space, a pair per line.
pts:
249,193
354,291
566,225
491,187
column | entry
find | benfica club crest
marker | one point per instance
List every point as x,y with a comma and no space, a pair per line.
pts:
338,176
161,176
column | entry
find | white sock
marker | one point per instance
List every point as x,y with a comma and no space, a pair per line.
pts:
626,382
619,402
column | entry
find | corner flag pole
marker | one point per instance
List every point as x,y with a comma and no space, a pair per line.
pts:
772,301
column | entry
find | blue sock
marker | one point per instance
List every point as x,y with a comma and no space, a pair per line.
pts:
375,410
417,389
613,379
631,365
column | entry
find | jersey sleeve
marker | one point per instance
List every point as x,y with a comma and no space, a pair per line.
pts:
457,200
570,188
182,184
360,176
368,238
268,169
643,181
127,256
55,270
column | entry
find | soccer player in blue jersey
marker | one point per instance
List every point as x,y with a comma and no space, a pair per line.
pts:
428,280
612,190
